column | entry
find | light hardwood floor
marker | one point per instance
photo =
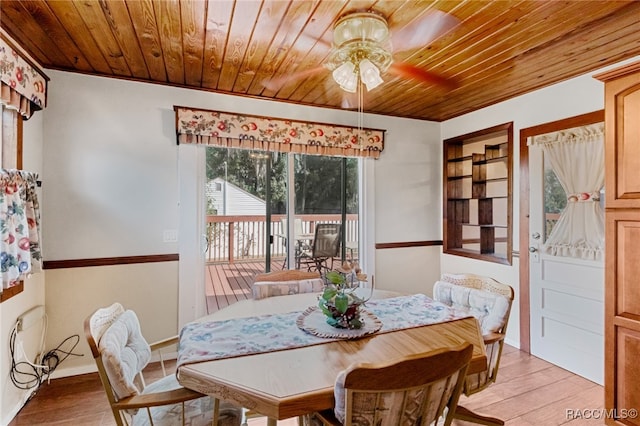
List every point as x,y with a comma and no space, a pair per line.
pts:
528,392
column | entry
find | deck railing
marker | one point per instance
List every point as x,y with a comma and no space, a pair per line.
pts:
233,238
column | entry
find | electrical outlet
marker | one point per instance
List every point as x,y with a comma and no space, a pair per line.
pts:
30,317
170,235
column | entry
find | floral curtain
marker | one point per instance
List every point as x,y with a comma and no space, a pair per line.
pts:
19,226
271,134
577,158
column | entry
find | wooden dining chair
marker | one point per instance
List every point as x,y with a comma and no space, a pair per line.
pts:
489,301
282,283
325,247
121,353
416,390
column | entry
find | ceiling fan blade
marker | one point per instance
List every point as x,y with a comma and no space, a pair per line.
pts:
307,42
277,83
405,70
422,31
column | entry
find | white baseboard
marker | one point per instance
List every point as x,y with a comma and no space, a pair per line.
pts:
73,371
91,368
512,342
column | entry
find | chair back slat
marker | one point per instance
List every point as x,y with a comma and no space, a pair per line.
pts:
282,283
326,242
415,390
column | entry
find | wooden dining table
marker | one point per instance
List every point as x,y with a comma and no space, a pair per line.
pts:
298,381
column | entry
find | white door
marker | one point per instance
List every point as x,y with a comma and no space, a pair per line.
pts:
566,294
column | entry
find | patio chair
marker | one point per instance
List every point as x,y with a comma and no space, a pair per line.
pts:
297,230
121,353
417,390
325,247
490,302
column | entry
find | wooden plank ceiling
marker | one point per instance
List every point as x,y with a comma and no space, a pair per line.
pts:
497,50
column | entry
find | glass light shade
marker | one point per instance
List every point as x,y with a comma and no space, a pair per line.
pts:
360,26
369,74
346,77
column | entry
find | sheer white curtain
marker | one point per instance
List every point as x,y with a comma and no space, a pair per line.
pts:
8,137
577,158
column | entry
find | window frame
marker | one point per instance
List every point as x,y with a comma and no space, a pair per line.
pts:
18,288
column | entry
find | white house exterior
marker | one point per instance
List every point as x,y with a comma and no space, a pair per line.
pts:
235,202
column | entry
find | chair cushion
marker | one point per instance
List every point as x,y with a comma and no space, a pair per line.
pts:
197,411
124,353
339,394
264,289
490,309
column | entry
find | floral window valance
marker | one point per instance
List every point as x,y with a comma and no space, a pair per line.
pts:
22,86
272,134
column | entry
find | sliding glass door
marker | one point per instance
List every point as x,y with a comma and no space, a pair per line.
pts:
262,212
326,191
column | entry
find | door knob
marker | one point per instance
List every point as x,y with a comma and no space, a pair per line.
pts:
535,235
532,249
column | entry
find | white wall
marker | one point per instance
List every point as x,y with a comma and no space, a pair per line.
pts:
577,96
11,397
113,186
408,205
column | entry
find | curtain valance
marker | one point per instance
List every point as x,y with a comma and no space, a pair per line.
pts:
272,134
574,135
22,86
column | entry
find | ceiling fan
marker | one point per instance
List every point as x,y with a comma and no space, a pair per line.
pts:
363,47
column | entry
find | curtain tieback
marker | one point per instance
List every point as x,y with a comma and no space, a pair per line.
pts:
584,196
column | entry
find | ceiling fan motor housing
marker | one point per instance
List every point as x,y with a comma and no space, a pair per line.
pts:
358,36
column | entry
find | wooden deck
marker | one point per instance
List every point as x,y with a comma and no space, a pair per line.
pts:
228,283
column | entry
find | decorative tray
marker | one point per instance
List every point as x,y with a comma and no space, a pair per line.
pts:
313,321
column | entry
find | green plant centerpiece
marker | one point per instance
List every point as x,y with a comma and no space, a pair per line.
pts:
338,301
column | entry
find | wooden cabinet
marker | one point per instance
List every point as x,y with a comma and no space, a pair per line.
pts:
622,248
477,194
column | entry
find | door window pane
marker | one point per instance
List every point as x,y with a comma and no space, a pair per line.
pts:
318,196
555,199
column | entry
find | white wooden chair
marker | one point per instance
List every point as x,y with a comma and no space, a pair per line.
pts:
489,301
121,353
419,390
